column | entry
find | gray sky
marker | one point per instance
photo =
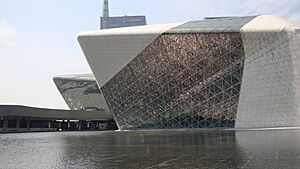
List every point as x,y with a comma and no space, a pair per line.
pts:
38,37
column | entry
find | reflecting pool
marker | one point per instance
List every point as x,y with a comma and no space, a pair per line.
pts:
151,149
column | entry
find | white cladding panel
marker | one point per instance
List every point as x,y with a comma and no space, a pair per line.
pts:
270,91
269,23
108,51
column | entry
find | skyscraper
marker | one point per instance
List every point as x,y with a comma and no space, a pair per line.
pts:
107,22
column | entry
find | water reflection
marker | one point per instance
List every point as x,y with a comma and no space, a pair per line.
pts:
165,149
270,149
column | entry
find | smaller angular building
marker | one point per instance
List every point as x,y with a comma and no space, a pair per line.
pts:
228,72
81,92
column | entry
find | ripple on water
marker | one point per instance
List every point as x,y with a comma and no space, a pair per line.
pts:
151,149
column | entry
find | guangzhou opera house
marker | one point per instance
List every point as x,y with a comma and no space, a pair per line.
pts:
222,72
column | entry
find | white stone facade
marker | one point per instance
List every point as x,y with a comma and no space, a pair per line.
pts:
270,85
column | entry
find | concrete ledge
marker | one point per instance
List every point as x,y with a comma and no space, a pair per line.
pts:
55,114
23,130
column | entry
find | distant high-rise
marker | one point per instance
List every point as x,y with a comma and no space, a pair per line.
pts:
107,22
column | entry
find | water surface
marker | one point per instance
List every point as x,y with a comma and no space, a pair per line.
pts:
164,149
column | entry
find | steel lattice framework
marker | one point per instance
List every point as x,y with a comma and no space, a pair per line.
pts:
189,80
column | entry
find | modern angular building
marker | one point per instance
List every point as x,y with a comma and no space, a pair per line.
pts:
230,72
81,92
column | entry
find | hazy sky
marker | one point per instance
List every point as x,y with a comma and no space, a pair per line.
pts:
38,37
